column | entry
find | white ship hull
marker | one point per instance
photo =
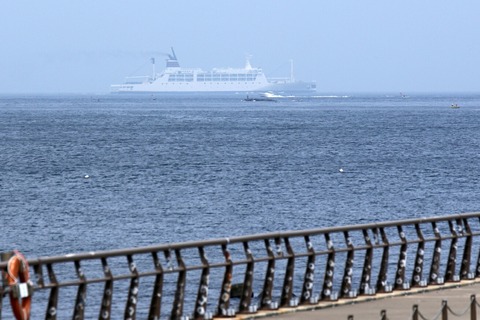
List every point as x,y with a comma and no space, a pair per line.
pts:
177,80
157,86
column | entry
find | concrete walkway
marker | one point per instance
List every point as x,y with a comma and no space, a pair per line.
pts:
398,305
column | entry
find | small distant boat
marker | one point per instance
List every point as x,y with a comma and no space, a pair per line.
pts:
271,95
454,106
259,99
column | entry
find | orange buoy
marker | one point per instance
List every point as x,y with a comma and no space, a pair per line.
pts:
18,279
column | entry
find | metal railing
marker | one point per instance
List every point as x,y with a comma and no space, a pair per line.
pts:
251,274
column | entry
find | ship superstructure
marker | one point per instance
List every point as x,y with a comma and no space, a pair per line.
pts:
177,79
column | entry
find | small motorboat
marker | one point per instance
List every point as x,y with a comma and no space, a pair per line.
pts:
259,99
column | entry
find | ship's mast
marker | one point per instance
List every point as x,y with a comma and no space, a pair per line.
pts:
173,54
153,68
292,78
248,66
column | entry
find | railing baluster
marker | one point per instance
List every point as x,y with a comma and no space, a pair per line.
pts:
131,306
327,290
37,269
3,257
226,288
419,258
156,302
202,294
477,267
266,295
382,274
402,260
345,290
287,291
53,300
179,299
105,309
367,264
1,300
247,290
452,254
79,311
307,288
467,250
437,251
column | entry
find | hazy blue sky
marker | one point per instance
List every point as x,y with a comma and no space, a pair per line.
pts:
346,46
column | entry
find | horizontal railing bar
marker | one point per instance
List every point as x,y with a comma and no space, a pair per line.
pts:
285,256
212,266
225,241
297,254
356,227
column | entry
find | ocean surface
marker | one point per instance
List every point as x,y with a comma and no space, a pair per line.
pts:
94,172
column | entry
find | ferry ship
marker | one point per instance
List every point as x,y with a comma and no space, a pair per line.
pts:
178,79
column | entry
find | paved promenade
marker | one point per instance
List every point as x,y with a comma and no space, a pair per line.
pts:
398,305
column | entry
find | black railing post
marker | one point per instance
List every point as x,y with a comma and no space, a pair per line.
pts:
367,264
79,310
4,256
287,291
202,293
467,250
382,274
131,305
327,290
179,298
247,290
346,287
1,298
419,258
105,308
226,288
402,260
477,267
452,254
156,301
437,251
38,271
53,300
266,295
307,288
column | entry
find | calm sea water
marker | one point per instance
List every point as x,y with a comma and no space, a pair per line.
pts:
82,173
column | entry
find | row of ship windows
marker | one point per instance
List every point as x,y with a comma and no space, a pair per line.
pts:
182,78
210,82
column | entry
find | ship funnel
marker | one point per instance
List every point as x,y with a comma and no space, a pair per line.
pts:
172,61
